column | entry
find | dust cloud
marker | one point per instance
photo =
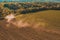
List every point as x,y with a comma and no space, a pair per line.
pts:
11,20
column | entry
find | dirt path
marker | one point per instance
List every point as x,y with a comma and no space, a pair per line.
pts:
25,33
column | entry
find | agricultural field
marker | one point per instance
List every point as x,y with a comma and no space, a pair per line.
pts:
42,25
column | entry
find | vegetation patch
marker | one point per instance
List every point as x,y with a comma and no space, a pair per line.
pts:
52,17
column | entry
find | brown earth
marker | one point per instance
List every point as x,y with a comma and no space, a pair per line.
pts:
26,33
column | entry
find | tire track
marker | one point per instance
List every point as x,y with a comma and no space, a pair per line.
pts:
11,34
27,33
4,33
